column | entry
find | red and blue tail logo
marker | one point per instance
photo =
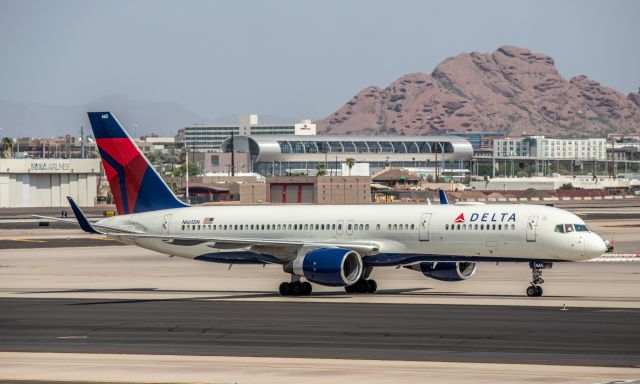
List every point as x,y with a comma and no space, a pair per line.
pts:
135,185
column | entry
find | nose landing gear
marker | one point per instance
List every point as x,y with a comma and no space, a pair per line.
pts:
535,290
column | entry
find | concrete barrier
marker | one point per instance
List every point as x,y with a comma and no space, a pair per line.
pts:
549,198
588,198
597,198
617,197
565,198
502,199
512,199
492,199
608,197
535,199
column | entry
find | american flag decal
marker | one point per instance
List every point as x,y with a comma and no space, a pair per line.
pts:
208,220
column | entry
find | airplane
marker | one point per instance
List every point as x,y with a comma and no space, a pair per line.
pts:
330,245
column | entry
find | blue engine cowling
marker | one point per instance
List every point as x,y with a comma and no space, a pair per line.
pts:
447,271
336,267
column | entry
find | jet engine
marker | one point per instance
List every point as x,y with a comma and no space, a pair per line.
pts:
335,267
447,271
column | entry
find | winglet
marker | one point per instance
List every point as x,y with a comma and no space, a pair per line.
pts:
443,197
82,219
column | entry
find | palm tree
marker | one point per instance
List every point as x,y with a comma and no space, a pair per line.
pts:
350,163
7,147
322,169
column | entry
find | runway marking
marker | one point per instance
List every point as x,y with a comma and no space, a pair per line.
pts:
71,337
28,240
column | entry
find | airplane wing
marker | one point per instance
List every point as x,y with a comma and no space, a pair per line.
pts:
364,248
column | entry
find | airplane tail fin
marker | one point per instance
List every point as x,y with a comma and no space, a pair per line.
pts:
135,184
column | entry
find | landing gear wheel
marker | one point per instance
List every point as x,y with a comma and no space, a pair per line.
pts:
362,286
372,286
295,288
284,289
534,291
305,288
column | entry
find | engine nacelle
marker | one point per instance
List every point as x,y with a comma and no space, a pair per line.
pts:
447,271
336,267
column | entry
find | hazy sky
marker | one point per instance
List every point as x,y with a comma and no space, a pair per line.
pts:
289,58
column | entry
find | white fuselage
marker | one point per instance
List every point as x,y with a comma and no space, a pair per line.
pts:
502,232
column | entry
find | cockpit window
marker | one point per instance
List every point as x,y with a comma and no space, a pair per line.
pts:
581,228
568,228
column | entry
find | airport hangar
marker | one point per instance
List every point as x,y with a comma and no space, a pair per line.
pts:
48,182
279,155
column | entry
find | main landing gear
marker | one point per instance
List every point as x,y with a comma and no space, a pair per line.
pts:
295,287
535,290
362,286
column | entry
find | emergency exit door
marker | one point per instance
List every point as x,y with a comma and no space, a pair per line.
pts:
425,220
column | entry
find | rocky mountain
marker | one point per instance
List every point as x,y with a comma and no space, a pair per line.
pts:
140,117
511,90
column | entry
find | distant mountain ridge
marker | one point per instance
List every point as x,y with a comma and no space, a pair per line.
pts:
512,90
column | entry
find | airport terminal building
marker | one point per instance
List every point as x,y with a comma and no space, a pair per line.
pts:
48,182
279,155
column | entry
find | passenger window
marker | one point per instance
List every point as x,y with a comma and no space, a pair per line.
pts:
183,227
339,227
499,227
458,227
389,227
317,227
513,226
306,226
366,227
482,226
446,226
395,227
559,228
400,227
464,226
413,226
377,227
333,226
494,227
349,227
361,227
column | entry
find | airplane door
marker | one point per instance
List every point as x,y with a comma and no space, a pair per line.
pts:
166,219
532,225
339,230
425,220
349,227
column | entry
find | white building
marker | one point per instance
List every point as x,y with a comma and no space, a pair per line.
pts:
209,137
48,182
541,147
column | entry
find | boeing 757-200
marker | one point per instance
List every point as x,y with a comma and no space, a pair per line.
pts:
331,245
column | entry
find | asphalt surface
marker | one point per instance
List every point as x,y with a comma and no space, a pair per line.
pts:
492,334
57,242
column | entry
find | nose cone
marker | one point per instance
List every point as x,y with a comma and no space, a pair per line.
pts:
594,246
